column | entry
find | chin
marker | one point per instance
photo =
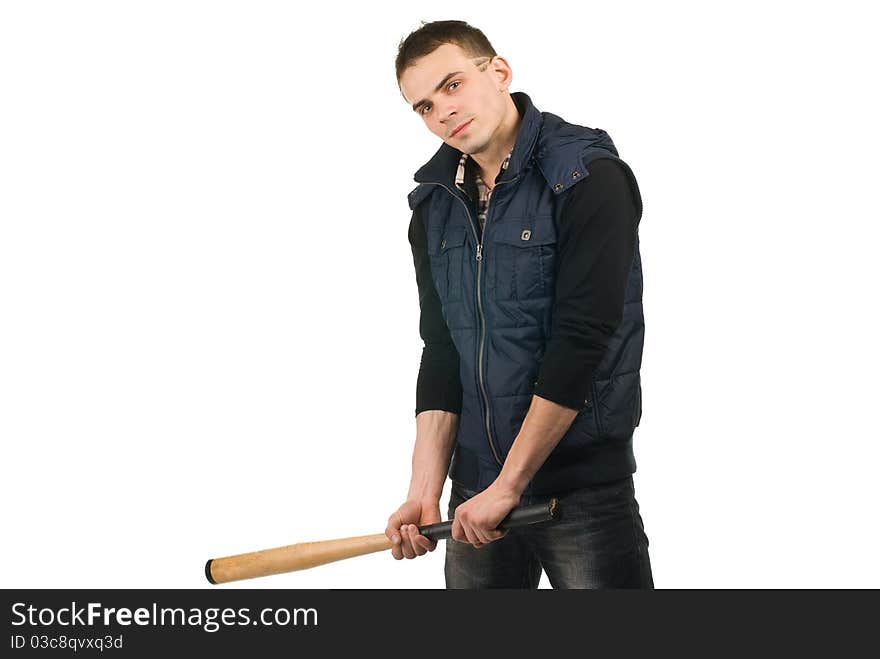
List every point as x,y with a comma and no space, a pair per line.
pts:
474,147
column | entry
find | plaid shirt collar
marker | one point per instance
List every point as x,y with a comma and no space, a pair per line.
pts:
481,186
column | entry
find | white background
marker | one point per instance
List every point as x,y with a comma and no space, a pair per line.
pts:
203,206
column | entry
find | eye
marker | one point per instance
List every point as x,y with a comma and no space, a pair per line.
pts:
427,106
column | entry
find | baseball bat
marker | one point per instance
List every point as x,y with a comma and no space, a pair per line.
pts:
305,555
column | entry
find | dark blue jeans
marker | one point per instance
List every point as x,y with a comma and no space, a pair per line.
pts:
599,542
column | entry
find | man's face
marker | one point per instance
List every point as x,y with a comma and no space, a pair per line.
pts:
473,98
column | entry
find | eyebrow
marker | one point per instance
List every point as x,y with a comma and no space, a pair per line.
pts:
439,86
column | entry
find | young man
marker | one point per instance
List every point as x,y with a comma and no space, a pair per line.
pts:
525,243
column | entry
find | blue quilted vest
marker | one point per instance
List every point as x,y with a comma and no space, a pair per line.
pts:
497,298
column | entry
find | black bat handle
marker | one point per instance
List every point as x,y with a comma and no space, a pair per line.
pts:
539,512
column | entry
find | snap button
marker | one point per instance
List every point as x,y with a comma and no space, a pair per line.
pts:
575,174
557,187
526,234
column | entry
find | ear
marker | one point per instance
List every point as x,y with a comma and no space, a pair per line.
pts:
502,73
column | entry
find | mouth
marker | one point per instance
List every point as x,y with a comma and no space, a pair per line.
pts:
461,128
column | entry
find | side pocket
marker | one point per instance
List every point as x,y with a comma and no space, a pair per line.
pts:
452,248
582,433
638,404
596,404
445,250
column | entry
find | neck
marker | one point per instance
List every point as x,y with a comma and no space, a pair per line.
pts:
491,158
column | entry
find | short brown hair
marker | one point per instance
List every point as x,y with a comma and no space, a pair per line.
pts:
430,36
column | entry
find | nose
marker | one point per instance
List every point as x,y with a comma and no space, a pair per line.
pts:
447,114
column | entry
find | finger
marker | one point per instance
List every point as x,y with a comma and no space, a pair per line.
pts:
417,540
395,521
396,546
396,543
408,550
471,535
458,531
392,532
418,547
482,537
495,534
428,545
405,549
474,533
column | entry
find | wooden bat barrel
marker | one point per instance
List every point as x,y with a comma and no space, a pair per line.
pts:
289,558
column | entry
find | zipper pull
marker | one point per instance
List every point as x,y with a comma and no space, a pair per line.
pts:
479,251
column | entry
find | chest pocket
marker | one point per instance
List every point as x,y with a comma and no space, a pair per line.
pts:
446,250
522,263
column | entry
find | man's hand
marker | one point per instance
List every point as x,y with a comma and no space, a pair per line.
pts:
475,520
403,528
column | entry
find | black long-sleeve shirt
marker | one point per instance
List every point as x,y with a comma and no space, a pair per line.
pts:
595,245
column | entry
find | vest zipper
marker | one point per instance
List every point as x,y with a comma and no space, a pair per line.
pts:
483,317
479,256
